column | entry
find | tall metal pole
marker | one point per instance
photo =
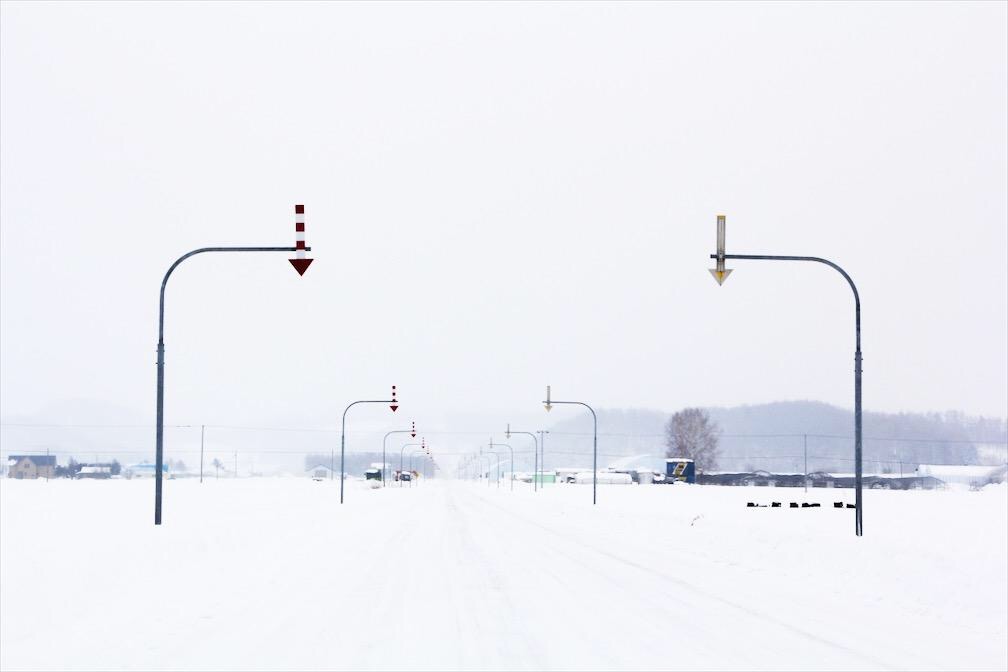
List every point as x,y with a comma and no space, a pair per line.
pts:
401,450
423,465
342,450
384,441
497,457
805,445
536,442
159,432
542,453
202,436
549,404
858,522
492,444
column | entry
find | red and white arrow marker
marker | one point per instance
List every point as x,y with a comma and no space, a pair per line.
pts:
395,404
300,263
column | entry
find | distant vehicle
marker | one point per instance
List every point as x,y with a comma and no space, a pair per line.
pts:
405,476
373,475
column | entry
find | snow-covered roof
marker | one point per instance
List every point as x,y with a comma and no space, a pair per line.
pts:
39,460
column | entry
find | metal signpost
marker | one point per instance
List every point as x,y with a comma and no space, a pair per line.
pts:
393,404
300,264
720,273
549,406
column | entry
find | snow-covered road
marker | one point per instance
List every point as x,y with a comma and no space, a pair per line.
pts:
274,574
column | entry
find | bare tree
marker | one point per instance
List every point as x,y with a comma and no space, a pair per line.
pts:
692,434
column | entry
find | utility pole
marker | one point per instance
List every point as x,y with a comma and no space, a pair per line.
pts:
202,435
805,444
542,453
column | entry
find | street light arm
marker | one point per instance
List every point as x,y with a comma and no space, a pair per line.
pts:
164,282
858,505
365,401
818,260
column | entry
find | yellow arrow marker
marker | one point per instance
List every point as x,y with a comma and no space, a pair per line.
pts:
720,276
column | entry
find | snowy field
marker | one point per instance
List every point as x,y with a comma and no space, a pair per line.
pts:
275,574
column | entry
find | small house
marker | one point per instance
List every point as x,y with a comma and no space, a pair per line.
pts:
31,466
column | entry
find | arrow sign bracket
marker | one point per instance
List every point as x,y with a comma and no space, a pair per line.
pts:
300,262
720,273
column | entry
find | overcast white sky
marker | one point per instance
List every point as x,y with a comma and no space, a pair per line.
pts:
501,196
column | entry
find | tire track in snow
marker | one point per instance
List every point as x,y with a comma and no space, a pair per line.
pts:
762,617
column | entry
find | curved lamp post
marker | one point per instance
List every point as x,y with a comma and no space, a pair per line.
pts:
159,432
402,450
492,444
424,453
549,406
393,404
411,432
496,455
721,274
535,472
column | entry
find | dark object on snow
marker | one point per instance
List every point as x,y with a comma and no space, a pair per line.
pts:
794,505
837,505
750,504
680,470
850,506
775,505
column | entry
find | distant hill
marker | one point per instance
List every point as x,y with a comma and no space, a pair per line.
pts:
771,436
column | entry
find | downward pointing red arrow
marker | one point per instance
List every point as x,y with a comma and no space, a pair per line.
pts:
394,407
301,265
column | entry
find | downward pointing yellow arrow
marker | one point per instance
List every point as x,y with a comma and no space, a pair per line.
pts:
720,276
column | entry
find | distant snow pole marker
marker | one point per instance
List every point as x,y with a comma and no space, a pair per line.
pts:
299,262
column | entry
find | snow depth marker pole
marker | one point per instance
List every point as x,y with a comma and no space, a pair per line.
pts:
721,273
159,430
